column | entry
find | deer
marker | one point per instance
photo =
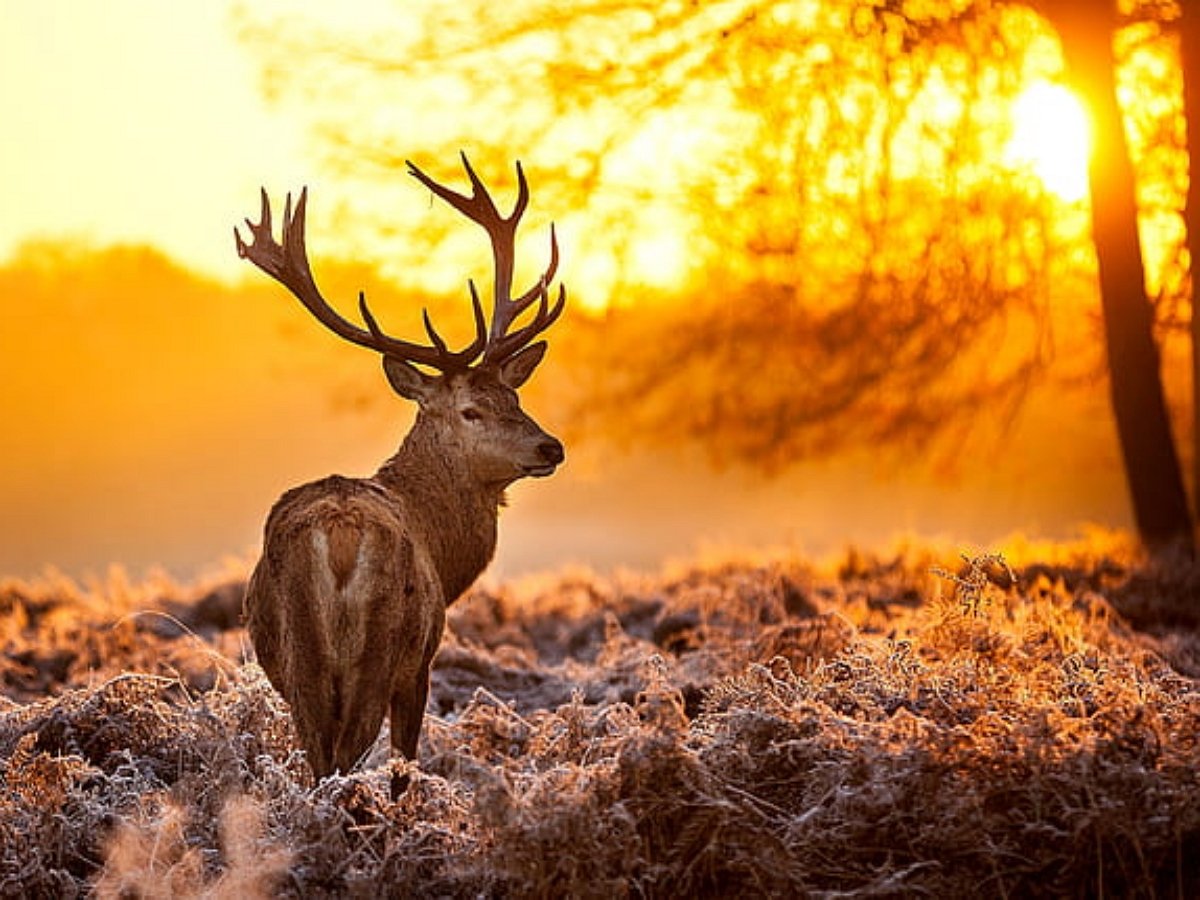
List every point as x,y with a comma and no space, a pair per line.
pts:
347,604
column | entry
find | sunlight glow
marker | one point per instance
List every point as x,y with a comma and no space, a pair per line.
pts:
1051,137
148,128
655,165
659,260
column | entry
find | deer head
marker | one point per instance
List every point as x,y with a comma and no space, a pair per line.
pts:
468,403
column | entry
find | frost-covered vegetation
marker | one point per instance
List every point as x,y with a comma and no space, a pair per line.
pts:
913,725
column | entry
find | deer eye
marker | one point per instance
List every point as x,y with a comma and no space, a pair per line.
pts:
470,414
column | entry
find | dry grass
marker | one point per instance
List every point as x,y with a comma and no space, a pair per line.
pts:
898,727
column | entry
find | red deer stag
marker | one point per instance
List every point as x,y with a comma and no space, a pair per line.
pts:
347,604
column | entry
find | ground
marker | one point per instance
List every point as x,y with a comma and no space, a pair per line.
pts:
916,723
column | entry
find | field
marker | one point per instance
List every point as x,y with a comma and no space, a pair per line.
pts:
877,726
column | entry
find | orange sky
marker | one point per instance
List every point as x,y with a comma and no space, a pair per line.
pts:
143,122
134,120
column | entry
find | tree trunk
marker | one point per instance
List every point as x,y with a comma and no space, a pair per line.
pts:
1190,50
1152,468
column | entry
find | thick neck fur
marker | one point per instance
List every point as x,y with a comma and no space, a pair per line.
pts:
455,514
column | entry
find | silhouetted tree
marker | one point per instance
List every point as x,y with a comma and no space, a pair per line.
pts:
1190,57
1139,405
869,270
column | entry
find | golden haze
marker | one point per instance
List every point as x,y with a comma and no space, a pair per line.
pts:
154,413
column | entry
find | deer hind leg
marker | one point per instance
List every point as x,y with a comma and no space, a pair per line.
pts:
408,713
384,634
411,690
314,736
364,704
409,697
303,679
307,683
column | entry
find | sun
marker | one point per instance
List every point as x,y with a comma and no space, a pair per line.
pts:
1051,137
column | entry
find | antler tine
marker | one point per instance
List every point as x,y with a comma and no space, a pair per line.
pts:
265,213
480,208
287,263
522,303
502,345
546,316
522,191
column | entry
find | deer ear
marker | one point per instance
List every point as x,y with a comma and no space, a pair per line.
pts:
515,371
407,380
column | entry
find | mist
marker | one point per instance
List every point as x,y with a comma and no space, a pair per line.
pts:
154,424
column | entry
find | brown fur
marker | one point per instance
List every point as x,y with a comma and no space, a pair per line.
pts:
344,539
347,605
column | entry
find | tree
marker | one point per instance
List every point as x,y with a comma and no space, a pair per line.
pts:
1138,400
869,270
1190,59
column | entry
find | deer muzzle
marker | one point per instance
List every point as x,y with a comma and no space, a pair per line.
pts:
550,454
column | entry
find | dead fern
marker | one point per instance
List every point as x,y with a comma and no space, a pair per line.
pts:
738,729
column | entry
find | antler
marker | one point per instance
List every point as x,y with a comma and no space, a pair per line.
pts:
501,230
287,263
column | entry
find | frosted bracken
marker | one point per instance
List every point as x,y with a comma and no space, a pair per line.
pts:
881,727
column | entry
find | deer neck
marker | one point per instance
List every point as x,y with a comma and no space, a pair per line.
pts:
455,515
